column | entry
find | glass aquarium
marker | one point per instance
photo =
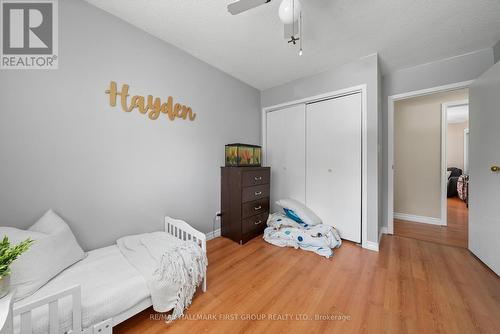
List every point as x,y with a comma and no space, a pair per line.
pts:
243,155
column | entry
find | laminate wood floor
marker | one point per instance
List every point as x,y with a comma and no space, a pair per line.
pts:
454,234
410,286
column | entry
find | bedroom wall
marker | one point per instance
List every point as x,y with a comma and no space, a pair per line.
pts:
455,144
442,72
417,153
107,172
362,71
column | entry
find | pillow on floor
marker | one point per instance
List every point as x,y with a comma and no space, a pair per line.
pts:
299,210
55,248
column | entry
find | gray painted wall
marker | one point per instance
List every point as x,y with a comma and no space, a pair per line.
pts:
496,52
363,71
452,70
107,172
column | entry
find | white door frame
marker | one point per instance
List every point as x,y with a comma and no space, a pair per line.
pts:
444,162
364,145
390,139
466,152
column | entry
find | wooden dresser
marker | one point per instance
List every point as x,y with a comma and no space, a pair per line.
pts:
244,202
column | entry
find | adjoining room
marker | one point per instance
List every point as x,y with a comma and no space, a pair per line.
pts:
429,159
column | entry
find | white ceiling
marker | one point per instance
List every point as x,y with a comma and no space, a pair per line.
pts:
457,114
251,47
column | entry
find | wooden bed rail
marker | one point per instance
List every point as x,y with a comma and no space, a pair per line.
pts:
53,302
182,230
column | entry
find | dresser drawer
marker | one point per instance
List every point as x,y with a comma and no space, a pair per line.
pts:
253,208
253,193
254,223
255,177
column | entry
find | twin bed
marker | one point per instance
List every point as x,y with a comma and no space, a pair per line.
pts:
95,294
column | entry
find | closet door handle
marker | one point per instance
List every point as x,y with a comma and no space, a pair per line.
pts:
257,178
257,208
258,223
258,193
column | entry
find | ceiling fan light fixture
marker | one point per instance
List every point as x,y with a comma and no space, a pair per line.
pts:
289,11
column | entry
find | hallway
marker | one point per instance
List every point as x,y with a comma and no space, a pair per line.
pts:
454,234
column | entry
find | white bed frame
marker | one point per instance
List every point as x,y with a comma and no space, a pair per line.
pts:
175,227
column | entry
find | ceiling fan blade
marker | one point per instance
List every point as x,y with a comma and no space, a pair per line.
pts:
240,6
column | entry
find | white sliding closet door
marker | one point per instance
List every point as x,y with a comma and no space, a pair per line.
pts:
285,153
333,163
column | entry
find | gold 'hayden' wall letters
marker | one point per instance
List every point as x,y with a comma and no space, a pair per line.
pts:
149,105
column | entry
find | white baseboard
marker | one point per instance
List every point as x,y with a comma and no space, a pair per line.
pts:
213,234
374,246
418,219
370,245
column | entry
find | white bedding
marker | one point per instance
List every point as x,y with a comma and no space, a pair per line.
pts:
172,268
110,285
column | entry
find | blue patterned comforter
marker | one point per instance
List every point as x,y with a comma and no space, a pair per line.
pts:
285,232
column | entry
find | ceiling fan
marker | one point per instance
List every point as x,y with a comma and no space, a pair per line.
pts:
290,13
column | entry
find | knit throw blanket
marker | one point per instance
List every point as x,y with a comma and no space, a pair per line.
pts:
171,267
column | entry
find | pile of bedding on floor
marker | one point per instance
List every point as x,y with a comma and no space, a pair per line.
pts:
299,227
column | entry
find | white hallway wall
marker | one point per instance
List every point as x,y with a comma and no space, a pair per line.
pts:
107,172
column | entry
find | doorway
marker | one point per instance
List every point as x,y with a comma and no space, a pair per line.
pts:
428,188
455,157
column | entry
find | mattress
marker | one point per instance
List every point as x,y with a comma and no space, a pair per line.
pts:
110,285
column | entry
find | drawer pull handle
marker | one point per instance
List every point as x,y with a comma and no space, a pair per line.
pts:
258,193
257,208
258,223
257,178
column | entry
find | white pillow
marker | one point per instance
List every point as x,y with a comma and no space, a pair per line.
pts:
302,211
55,248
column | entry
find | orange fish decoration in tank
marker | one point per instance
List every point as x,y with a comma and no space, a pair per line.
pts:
246,156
